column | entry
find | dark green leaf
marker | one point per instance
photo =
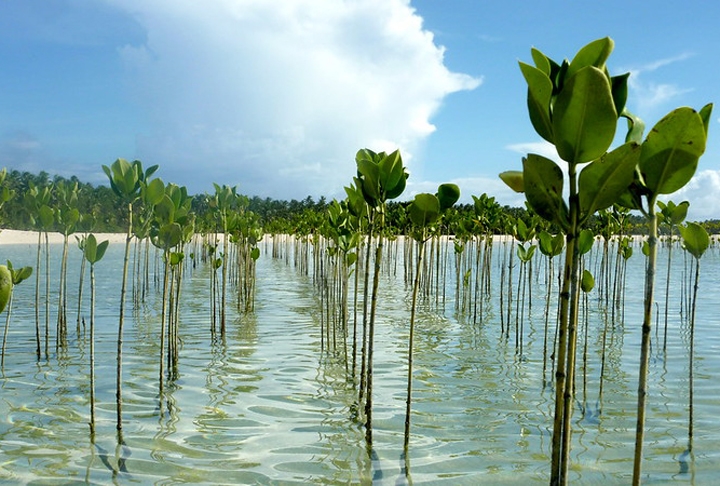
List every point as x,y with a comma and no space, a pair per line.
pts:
671,151
543,189
540,90
588,281
602,181
695,239
584,116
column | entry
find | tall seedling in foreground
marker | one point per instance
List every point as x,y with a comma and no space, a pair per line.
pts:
575,106
424,211
125,180
380,177
93,253
669,157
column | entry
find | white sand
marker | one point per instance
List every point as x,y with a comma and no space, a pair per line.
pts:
15,237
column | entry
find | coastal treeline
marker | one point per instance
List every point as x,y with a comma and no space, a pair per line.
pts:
101,210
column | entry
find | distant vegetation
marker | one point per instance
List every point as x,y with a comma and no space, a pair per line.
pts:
101,210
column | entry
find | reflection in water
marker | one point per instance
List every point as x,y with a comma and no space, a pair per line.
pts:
263,404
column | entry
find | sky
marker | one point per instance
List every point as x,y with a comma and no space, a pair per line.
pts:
277,96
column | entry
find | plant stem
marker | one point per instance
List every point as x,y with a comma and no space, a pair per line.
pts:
645,343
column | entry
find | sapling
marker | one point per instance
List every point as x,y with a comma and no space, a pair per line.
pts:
125,180
695,241
93,252
425,210
380,177
669,158
575,106
9,278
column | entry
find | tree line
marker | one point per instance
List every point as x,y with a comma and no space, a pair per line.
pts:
101,210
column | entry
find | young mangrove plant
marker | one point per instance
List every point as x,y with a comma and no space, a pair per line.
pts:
36,202
695,241
670,216
125,180
381,177
575,106
93,252
669,158
9,278
67,217
425,211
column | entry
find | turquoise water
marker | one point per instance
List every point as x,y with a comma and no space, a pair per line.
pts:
266,406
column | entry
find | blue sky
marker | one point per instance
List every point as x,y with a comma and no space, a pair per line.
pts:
276,96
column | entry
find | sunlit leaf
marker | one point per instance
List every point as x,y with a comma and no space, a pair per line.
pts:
671,151
514,180
695,239
540,90
584,116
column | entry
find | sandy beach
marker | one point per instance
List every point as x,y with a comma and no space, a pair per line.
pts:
16,237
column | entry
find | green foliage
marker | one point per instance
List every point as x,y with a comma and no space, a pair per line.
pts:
587,282
695,239
6,284
92,250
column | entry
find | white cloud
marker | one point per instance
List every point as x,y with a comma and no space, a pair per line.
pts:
277,96
648,95
703,193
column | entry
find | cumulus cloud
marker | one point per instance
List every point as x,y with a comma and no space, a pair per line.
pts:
277,96
648,95
703,193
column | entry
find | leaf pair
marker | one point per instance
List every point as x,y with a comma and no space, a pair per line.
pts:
425,209
382,176
575,105
94,251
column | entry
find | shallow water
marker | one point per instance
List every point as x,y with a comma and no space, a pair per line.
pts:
265,406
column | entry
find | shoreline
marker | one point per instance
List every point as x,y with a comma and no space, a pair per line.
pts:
20,237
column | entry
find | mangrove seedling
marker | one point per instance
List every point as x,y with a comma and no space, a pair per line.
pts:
93,253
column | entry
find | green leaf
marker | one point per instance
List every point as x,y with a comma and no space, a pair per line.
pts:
671,151
619,86
705,113
594,54
679,213
23,274
588,281
695,239
584,116
550,246
514,180
447,194
255,253
585,241
424,209
602,181
6,285
636,127
102,246
541,61
90,248
543,189
47,217
164,211
154,192
539,96
168,236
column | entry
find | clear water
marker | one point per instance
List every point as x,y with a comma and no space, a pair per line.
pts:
265,406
